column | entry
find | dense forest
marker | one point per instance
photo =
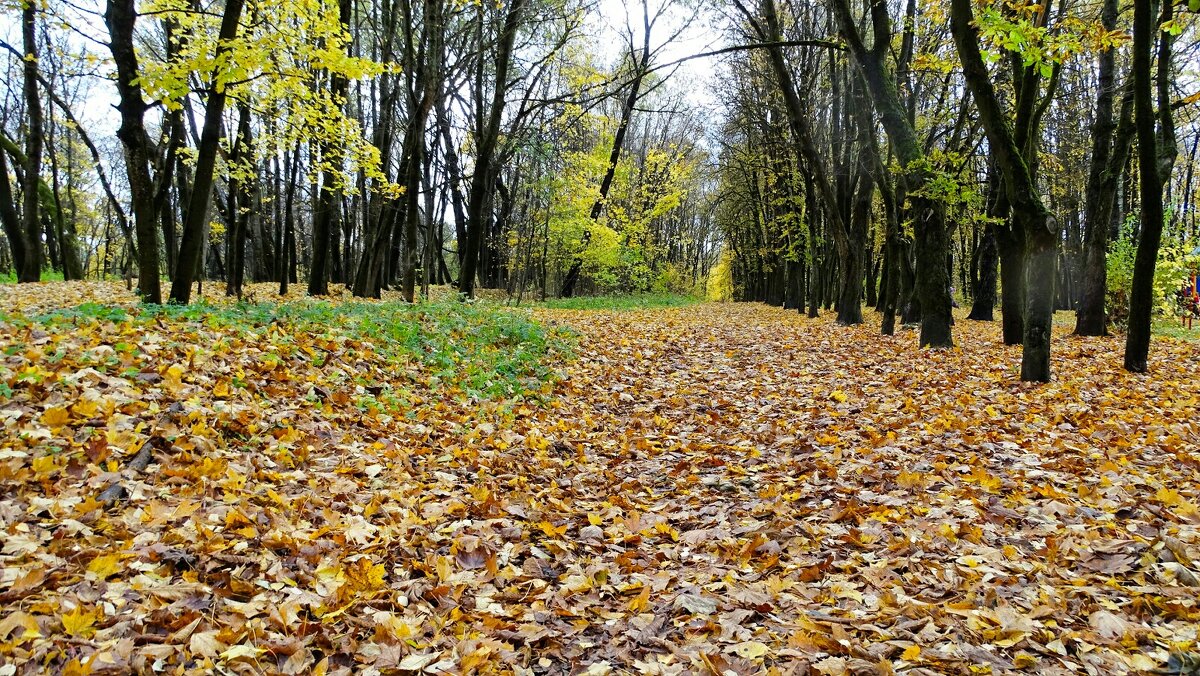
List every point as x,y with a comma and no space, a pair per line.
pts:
905,156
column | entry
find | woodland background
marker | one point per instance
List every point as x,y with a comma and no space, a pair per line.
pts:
908,155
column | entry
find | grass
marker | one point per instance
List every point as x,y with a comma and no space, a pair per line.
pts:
1170,327
47,276
623,302
478,350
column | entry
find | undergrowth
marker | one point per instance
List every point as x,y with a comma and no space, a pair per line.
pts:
624,302
479,350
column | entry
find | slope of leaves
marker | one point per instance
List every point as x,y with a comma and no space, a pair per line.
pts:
708,489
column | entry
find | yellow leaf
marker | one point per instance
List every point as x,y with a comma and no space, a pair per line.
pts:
364,575
1142,662
45,464
444,568
750,650
911,654
19,620
77,668
173,378
86,408
1168,497
1025,660
79,622
56,416
106,566
839,396
551,530
241,651
594,519
908,479
641,601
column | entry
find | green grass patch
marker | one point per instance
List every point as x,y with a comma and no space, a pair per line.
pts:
47,276
478,350
626,302
1170,327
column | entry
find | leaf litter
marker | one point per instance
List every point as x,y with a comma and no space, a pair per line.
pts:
711,489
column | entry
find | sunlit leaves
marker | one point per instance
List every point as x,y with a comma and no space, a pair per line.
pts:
1018,26
281,61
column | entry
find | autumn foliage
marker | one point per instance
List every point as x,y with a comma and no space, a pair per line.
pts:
449,488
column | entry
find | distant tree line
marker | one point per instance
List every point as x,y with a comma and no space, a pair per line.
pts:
375,144
913,152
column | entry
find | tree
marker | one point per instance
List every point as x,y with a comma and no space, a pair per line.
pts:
1030,215
1156,156
927,210
192,240
120,17
483,179
31,267
1111,136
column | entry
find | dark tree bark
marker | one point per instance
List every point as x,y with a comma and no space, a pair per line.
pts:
847,239
10,218
429,88
287,254
326,202
987,264
30,269
1030,216
191,241
1156,155
1108,157
928,215
241,205
484,179
454,177
120,16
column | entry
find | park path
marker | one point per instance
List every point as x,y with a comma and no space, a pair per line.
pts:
796,492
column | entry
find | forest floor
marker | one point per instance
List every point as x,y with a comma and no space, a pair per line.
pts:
450,488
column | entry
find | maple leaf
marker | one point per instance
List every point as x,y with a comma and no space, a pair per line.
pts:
105,566
79,622
56,416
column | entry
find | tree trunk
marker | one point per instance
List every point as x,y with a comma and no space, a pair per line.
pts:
928,216
987,259
120,16
484,178
10,218
1156,155
240,209
326,205
30,270
1029,214
1108,158
191,241
429,87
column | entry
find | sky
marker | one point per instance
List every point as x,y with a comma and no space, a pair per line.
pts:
693,77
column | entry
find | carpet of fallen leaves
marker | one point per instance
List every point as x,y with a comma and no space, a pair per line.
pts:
714,489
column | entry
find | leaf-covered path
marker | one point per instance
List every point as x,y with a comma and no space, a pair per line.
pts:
789,489
706,489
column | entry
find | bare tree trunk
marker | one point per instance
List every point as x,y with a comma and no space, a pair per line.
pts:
326,198
483,180
1156,156
30,269
191,242
120,16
